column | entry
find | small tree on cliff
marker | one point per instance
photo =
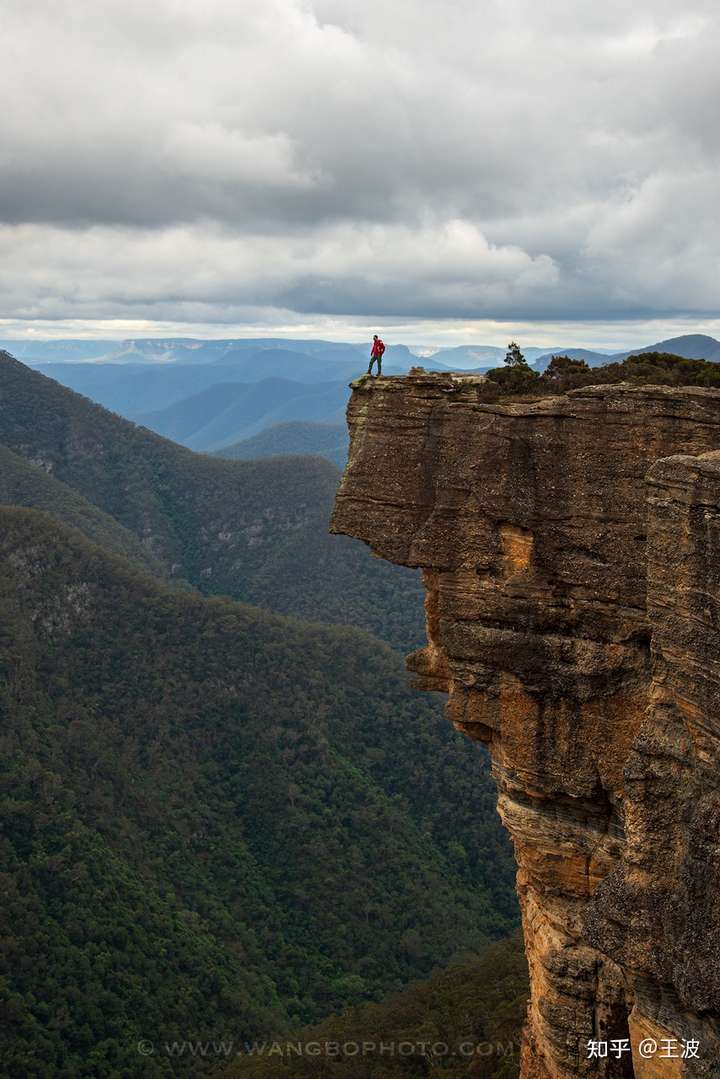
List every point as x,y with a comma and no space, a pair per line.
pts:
516,376
514,357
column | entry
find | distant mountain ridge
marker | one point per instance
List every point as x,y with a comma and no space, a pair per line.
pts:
197,351
592,359
473,356
167,350
253,530
695,346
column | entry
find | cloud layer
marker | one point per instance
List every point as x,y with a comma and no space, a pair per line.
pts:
510,160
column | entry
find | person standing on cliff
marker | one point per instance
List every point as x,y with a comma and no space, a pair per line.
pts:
376,355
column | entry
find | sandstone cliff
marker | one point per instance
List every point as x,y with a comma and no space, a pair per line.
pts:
570,550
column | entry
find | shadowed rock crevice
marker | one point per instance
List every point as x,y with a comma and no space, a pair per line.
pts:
570,549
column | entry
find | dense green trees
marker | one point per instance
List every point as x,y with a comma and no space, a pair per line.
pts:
329,440
25,484
462,1023
214,818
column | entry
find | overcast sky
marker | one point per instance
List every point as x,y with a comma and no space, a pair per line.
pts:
445,170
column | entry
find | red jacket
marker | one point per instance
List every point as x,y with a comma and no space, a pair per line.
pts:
378,348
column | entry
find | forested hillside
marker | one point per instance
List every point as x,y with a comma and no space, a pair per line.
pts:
214,817
26,484
462,1023
253,530
329,440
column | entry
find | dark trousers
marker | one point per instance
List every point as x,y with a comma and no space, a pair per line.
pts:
378,361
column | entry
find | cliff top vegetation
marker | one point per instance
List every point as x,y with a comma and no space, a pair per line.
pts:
564,373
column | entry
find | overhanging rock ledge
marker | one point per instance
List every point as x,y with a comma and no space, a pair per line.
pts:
570,549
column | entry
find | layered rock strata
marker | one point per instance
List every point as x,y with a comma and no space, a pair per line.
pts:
570,550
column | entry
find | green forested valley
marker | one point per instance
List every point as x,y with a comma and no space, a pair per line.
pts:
25,484
214,817
228,818
253,530
329,440
464,1022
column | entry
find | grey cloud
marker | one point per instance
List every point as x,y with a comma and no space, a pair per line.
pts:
445,159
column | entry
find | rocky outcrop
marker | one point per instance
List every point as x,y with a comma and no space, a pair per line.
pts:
570,550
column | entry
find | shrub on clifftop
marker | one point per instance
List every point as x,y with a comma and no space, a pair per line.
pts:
563,374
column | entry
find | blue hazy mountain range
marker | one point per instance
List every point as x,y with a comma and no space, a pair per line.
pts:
228,411
329,440
252,352
193,351
693,346
135,388
162,350
178,350
213,394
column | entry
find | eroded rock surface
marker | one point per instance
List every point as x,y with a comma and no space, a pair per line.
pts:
570,549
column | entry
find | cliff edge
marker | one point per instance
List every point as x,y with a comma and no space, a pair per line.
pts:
570,550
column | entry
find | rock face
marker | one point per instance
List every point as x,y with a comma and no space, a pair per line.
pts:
570,550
